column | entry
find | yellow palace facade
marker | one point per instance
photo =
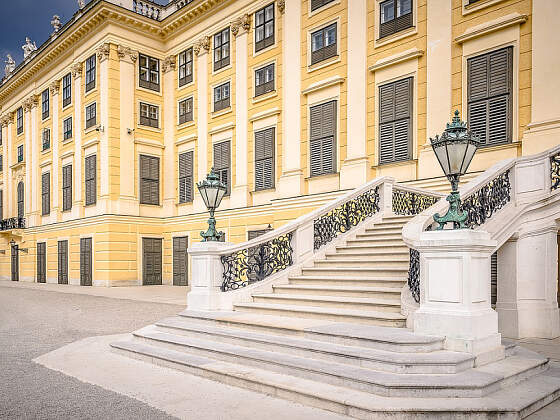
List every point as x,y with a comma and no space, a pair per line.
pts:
108,126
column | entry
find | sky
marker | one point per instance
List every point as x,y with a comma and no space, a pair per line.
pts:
31,18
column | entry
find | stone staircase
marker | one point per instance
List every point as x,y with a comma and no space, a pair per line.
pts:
440,183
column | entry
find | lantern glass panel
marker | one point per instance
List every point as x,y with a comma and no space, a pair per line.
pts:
471,149
441,154
456,151
212,193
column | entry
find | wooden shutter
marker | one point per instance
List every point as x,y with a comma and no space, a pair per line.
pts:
86,262
149,180
41,262
62,262
186,171
1,205
180,261
151,261
46,193
91,179
222,158
66,187
395,128
322,128
489,86
264,159
20,194
494,278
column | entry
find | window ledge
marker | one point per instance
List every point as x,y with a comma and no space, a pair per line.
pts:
18,165
180,88
186,124
396,58
153,92
46,151
222,112
470,8
186,203
332,175
90,129
45,120
397,163
270,47
64,108
151,143
89,92
264,190
492,147
397,36
331,81
67,141
148,128
264,96
322,64
492,26
221,69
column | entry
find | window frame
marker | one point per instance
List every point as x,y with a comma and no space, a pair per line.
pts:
266,41
393,24
148,120
219,169
20,153
64,128
271,158
45,104
19,121
92,121
66,188
147,179
267,87
46,139
325,52
90,181
186,180
189,77
45,194
222,103
331,137
223,62
66,90
91,73
149,84
184,118
319,4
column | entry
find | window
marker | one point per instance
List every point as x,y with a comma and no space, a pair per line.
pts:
264,80
222,163
264,159
322,139
20,198
221,49
19,120
1,136
149,115
221,97
316,4
41,262
67,90
1,205
90,172
91,115
264,27
149,72
252,234
395,16
86,251
90,73
45,105
489,90
323,44
186,177
66,187
46,139
149,180
20,153
185,110
1,163
62,262
186,67
180,261
67,125
46,193
395,123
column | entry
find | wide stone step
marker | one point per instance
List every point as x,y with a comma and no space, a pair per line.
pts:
378,254
358,303
385,226
382,234
334,280
355,272
364,262
397,246
441,362
396,218
355,291
385,319
523,399
382,240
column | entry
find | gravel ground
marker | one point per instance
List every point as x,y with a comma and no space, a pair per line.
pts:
34,322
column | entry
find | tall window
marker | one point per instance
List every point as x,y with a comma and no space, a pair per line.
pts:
149,115
20,202
264,80
185,110
46,139
41,262
323,44
264,27
1,205
149,180
315,4
186,67
264,159
67,125
489,96
46,193
45,104
322,139
221,97
90,172
67,187
91,115
67,90
20,153
1,163
90,72
63,262
395,122
395,16
19,120
221,49
186,177
222,163
149,72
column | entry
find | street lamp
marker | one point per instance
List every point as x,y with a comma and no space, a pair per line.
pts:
454,151
13,243
212,191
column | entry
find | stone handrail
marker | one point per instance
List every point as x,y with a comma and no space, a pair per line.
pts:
147,8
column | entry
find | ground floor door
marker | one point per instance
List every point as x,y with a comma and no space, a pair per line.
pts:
86,262
41,262
62,262
151,261
15,263
180,264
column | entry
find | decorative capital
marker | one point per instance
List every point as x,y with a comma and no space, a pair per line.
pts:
169,64
281,4
242,22
123,52
76,69
103,52
202,45
54,87
31,102
5,119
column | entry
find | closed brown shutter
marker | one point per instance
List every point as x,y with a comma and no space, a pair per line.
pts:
489,87
322,128
395,128
151,261
20,200
62,262
264,159
67,187
494,277
91,179
186,177
41,262
180,261
149,180
46,193
222,159
1,205
86,262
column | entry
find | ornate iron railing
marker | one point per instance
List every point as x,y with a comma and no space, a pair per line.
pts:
344,217
250,265
483,203
410,202
555,171
12,223
414,274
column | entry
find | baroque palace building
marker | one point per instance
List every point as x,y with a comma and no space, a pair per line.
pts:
108,126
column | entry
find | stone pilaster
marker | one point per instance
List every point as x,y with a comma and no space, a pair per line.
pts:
201,49
78,204
54,88
169,125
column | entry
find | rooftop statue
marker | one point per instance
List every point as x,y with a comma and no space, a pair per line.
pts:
10,65
81,4
56,24
28,48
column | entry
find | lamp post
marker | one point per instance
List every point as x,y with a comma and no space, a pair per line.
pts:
13,244
454,151
212,191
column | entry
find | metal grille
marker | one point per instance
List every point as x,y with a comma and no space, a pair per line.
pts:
555,171
414,274
411,203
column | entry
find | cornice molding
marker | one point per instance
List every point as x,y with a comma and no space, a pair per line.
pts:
492,26
331,81
241,25
397,58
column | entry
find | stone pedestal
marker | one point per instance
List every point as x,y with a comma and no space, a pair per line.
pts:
455,292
